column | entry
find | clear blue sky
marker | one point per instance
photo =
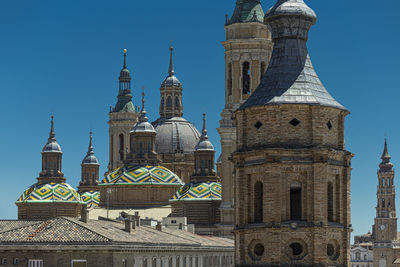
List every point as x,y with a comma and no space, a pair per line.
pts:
65,57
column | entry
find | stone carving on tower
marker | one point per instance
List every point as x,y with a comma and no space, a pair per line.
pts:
292,172
385,227
122,117
199,200
51,196
176,137
248,48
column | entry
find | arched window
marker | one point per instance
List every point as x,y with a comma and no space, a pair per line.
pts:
154,262
330,202
203,165
177,103
112,148
121,147
229,79
383,203
295,202
169,102
358,256
148,147
140,148
262,70
258,202
162,103
170,262
246,78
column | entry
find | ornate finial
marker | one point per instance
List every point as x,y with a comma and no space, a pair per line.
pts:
385,165
125,58
385,154
90,141
171,62
143,117
204,130
52,133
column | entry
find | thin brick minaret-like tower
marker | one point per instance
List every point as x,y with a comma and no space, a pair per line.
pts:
248,48
292,172
122,117
385,227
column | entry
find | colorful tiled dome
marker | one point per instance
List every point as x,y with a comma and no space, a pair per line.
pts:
198,191
91,198
50,192
145,175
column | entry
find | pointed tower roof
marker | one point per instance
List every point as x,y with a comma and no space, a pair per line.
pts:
90,158
385,165
52,146
247,11
171,79
143,125
204,142
124,103
290,79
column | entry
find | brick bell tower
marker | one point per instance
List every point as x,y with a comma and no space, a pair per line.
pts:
385,227
122,117
292,172
248,48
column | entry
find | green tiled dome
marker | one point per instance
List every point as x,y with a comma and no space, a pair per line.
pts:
198,191
91,198
50,192
142,175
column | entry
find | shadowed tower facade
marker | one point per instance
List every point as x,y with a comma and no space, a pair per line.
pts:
247,51
385,227
292,172
122,117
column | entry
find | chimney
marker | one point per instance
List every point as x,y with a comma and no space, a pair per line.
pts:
84,214
159,226
137,218
128,226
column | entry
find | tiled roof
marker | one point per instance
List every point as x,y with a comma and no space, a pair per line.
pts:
68,231
198,191
91,198
50,192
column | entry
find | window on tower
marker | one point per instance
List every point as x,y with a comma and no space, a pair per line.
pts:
262,70
169,102
330,202
177,104
258,202
383,203
295,202
121,147
229,82
246,78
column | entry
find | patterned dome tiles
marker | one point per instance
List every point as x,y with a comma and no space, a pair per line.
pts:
50,192
91,198
145,175
198,191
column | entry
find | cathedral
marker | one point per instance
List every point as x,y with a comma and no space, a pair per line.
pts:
281,188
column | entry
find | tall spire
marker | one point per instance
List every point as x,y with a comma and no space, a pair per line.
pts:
171,62
124,103
90,158
125,58
90,142
204,130
52,134
385,165
204,143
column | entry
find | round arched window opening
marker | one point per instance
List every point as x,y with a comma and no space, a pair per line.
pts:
330,250
297,249
259,250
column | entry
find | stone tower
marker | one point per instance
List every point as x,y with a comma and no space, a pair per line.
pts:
385,227
176,137
200,199
248,48
122,117
292,172
90,170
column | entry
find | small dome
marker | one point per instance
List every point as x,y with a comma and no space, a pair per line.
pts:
198,191
142,175
124,73
204,145
91,198
171,80
90,159
175,135
143,126
50,192
291,8
52,146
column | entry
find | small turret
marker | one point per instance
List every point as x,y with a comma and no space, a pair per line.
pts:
124,103
90,170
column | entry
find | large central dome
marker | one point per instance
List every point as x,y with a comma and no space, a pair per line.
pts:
175,135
